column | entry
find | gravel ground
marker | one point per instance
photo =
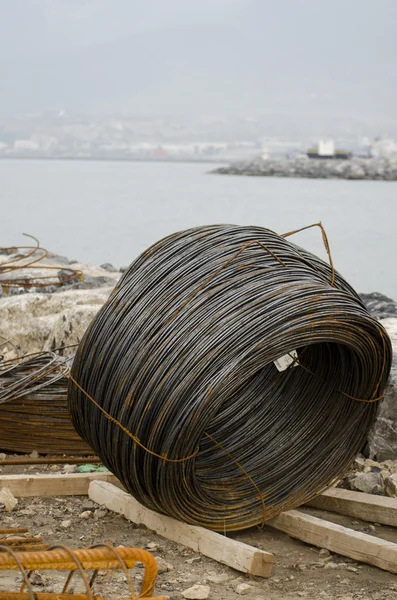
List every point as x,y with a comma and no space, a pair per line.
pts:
301,571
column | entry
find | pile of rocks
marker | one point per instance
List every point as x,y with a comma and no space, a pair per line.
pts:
355,168
371,477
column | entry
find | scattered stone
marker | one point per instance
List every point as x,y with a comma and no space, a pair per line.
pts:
244,588
8,499
162,565
352,569
218,579
37,579
370,483
331,565
69,469
109,267
3,456
66,524
197,592
87,514
190,561
324,552
391,485
99,513
34,454
151,546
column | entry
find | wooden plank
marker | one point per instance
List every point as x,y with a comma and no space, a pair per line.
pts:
323,534
376,509
56,484
237,555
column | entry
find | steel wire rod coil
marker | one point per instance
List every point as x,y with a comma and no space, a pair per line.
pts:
175,387
33,406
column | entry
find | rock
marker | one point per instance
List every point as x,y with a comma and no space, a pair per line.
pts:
69,328
218,579
331,565
69,469
191,561
359,463
151,546
370,483
87,514
379,306
197,592
34,454
162,565
35,321
66,524
244,588
109,267
382,439
99,513
391,485
3,456
352,569
8,499
324,552
37,579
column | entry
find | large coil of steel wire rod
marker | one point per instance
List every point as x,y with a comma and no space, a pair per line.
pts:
176,384
33,407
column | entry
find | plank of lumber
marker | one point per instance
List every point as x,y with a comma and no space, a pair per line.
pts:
73,484
345,541
237,555
376,509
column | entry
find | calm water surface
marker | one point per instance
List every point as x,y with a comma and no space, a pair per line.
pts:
110,211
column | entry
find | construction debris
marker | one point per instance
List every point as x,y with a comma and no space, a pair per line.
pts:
102,557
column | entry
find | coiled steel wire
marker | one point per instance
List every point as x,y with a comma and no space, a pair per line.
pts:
33,406
174,384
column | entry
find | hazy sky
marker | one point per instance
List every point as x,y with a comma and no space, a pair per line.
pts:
244,57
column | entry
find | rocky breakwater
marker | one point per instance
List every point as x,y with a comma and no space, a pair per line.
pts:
355,168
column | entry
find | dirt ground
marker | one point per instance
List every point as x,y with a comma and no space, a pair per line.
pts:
300,572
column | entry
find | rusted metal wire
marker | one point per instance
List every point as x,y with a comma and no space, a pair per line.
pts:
33,407
19,542
102,557
175,387
23,263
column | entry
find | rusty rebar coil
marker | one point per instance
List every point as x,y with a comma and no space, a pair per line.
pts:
175,385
